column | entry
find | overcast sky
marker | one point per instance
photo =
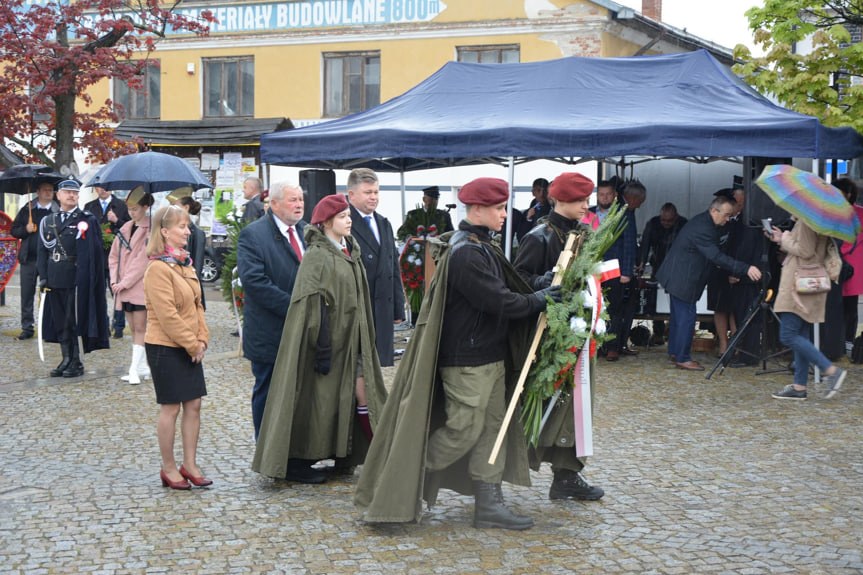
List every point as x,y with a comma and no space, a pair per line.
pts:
722,21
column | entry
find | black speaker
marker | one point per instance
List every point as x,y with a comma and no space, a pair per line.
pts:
316,184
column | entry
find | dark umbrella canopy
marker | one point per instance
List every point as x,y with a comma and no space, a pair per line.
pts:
25,178
154,171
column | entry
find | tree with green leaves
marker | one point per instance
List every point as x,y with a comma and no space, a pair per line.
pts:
824,81
53,52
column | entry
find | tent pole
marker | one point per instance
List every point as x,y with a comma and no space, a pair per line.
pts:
402,181
508,231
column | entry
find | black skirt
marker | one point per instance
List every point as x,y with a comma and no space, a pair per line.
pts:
129,306
175,377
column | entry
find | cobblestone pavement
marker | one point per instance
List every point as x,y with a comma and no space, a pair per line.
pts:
700,477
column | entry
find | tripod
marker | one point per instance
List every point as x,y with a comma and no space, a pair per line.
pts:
763,305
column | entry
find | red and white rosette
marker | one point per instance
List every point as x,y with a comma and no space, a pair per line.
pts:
82,230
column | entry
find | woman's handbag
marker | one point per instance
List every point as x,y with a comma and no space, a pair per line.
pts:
811,278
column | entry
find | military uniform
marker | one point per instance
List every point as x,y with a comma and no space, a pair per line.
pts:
71,266
538,254
419,223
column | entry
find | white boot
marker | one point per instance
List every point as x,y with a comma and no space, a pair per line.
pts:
143,368
133,378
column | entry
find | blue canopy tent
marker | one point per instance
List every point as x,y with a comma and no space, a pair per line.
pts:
686,106
679,106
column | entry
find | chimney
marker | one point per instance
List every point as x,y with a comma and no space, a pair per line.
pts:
652,9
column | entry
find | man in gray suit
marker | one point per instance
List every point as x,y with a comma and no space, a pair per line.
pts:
374,233
684,274
252,188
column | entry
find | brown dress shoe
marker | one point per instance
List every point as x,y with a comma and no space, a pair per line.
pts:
629,351
690,365
612,356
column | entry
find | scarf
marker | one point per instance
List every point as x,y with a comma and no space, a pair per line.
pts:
175,256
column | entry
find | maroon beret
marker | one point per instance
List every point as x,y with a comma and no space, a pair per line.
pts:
328,207
570,187
484,192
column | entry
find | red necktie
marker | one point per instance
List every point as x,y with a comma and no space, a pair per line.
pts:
295,244
347,253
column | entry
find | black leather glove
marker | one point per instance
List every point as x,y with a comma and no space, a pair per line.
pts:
543,281
552,291
324,346
43,283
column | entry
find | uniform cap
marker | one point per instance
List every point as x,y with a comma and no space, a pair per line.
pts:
328,207
570,187
484,192
69,185
432,192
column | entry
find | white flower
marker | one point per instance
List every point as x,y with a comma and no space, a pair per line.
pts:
588,299
600,327
411,259
417,246
577,324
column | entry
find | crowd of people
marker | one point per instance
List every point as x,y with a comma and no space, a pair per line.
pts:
322,299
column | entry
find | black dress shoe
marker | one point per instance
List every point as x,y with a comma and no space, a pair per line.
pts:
118,334
75,369
300,471
24,335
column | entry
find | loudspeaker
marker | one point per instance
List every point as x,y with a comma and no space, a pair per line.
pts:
316,184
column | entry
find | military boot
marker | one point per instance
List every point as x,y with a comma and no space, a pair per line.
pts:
569,484
61,367
75,367
490,512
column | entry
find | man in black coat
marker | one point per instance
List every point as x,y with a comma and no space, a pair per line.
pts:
71,268
269,252
685,271
110,210
656,239
374,233
25,228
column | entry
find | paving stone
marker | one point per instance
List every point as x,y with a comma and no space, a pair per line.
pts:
700,477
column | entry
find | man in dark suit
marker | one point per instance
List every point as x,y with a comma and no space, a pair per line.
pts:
621,303
656,239
685,271
24,228
70,267
374,233
269,252
254,209
540,207
110,210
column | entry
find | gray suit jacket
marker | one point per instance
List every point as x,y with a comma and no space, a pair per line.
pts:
686,268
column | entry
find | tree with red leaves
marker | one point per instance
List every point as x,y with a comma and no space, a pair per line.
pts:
53,51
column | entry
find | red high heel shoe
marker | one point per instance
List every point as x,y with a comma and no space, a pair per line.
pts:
196,481
182,484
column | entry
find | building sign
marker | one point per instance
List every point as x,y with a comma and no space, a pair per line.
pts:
318,14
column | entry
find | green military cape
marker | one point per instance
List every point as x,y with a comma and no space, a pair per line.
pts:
393,482
309,415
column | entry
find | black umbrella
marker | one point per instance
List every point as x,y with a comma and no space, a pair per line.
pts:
154,171
24,178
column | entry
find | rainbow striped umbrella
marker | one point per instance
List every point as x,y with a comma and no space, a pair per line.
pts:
812,200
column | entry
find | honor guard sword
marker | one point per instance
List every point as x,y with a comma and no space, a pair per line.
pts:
42,298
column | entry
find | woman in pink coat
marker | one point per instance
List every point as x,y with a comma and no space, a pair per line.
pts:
853,255
127,263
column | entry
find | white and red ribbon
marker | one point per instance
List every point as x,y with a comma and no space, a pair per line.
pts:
581,405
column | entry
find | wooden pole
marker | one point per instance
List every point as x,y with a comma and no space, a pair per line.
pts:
541,323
